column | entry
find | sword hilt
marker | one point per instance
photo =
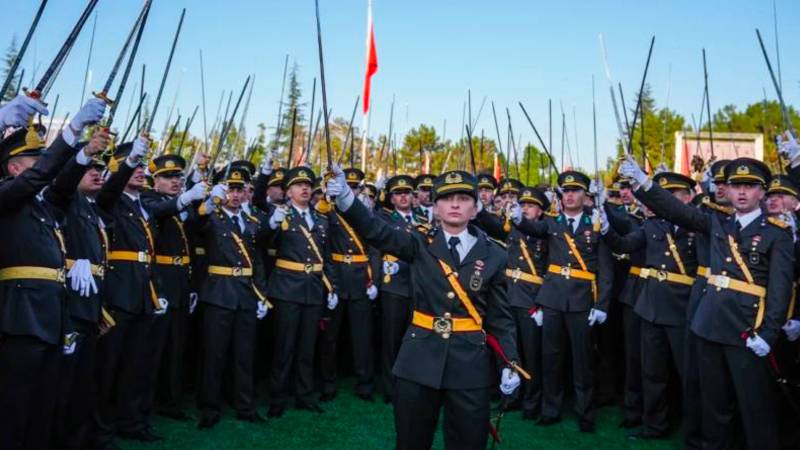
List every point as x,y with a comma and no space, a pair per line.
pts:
34,94
103,95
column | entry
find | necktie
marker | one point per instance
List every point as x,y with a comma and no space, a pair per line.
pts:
237,223
571,223
453,242
408,220
305,219
139,209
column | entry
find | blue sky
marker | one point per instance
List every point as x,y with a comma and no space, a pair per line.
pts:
431,52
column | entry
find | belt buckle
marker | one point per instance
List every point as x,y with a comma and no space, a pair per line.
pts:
661,275
348,259
101,272
141,257
565,271
515,274
177,260
237,271
722,281
61,275
443,326
644,272
308,268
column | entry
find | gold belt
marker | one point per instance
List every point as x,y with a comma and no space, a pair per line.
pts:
569,272
445,325
349,259
230,271
724,282
199,251
173,260
124,255
663,275
519,274
97,269
298,267
702,271
33,273
635,271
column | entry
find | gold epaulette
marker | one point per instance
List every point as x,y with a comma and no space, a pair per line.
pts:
500,243
323,206
252,218
551,213
723,209
778,222
614,201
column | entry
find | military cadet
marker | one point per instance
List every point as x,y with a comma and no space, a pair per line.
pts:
356,292
86,242
276,193
232,297
508,189
580,264
486,187
32,266
459,299
168,207
714,182
371,191
741,311
668,273
424,187
298,285
124,362
395,289
527,261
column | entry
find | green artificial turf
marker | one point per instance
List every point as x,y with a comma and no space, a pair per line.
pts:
350,423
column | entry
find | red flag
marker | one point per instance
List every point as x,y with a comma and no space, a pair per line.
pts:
685,168
372,57
496,168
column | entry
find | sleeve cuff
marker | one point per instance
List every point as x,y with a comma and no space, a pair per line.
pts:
82,158
69,136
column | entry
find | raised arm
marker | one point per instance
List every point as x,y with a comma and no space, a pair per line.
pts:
665,205
491,224
627,243
386,238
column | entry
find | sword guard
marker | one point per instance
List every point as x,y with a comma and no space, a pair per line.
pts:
104,97
36,95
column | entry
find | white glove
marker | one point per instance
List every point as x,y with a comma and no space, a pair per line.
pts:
90,113
599,215
381,183
17,112
661,168
791,220
630,169
792,329
333,300
712,187
600,196
70,342
758,345
538,317
390,268
162,306
192,302
277,218
509,381
372,292
81,279
266,167
596,316
789,149
593,187
219,192
337,187
262,310
197,192
140,148
197,176
516,213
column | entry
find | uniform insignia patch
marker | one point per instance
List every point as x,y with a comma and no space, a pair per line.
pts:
475,282
754,258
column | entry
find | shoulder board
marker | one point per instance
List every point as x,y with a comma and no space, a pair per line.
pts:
778,222
251,218
723,209
551,214
495,241
614,201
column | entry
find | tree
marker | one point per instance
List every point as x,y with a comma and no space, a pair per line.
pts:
8,61
293,102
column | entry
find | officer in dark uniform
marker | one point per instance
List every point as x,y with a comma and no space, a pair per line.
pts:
298,286
580,264
86,242
356,291
170,211
33,268
232,296
459,299
527,261
124,362
741,311
669,271
396,303
508,189
424,186
486,187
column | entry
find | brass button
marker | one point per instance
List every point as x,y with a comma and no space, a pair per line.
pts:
728,259
451,295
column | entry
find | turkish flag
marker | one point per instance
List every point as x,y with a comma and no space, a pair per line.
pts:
372,58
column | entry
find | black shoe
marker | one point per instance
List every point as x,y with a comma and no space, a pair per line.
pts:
529,414
175,414
140,435
309,406
208,422
387,399
366,397
586,427
276,411
253,417
644,435
547,421
327,397
630,423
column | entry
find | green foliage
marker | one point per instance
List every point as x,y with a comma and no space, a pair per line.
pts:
8,61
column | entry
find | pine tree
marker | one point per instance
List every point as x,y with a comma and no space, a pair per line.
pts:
292,103
8,61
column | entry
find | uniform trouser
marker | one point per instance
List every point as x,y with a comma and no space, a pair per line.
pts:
529,340
576,326
158,330
734,378
416,412
661,345
396,317
296,328
692,395
28,380
632,409
608,359
228,335
171,371
121,373
359,318
76,390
